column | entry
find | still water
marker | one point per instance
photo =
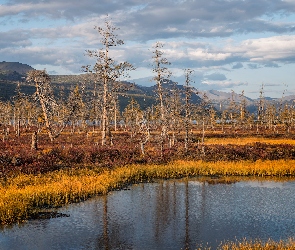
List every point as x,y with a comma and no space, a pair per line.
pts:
172,214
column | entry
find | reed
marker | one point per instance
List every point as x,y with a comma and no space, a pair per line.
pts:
25,195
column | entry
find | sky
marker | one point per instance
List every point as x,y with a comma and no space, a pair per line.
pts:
238,45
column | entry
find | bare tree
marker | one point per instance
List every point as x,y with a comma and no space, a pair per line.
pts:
233,110
187,106
174,113
18,104
287,117
243,113
270,114
202,114
44,94
34,144
133,116
6,111
118,89
76,108
107,71
223,115
162,75
145,129
261,108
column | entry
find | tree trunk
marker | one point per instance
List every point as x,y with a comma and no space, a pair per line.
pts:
142,148
34,145
203,131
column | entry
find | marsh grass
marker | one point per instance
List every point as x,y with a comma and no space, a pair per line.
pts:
17,157
25,195
258,245
249,140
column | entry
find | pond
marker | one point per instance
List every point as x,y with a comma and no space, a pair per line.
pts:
170,214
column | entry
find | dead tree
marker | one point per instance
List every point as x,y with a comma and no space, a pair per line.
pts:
44,94
34,145
107,71
162,75
261,109
187,106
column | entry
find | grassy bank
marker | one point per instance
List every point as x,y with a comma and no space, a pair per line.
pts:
24,195
258,245
23,160
249,140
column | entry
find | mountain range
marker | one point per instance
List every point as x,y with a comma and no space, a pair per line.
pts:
12,73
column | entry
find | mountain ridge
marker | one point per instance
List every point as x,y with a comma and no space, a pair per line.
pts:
18,67
12,73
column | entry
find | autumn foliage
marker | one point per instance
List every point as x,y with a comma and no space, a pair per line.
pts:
78,150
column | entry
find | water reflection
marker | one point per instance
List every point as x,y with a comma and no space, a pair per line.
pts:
174,214
187,238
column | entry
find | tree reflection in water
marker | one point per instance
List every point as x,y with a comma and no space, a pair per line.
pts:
173,214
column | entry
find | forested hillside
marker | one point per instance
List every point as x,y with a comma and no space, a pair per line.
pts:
13,74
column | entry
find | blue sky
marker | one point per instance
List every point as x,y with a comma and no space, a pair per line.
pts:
231,44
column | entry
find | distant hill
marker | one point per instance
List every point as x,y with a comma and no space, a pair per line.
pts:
13,71
290,98
219,95
20,68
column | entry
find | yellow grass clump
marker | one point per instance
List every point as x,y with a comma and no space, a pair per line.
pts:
248,140
26,195
259,245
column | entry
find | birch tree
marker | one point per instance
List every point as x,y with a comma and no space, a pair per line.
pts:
174,116
261,108
187,106
76,108
18,104
44,94
162,74
6,110
243,113
106,72
133,116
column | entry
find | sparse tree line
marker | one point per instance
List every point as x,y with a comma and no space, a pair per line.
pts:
174,118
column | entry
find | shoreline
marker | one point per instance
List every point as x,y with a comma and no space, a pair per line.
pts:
25,195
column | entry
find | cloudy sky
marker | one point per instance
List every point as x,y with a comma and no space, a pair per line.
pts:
231,44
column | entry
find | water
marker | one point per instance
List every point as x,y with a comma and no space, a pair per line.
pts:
173,214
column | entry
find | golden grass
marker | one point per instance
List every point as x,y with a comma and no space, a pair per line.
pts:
259,245
248,140
25,195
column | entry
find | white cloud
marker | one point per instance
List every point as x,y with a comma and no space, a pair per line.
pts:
208,36
223,84
277,48
200,54
7,10
216,77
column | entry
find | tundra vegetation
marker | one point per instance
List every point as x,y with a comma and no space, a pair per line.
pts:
257,245
55,150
